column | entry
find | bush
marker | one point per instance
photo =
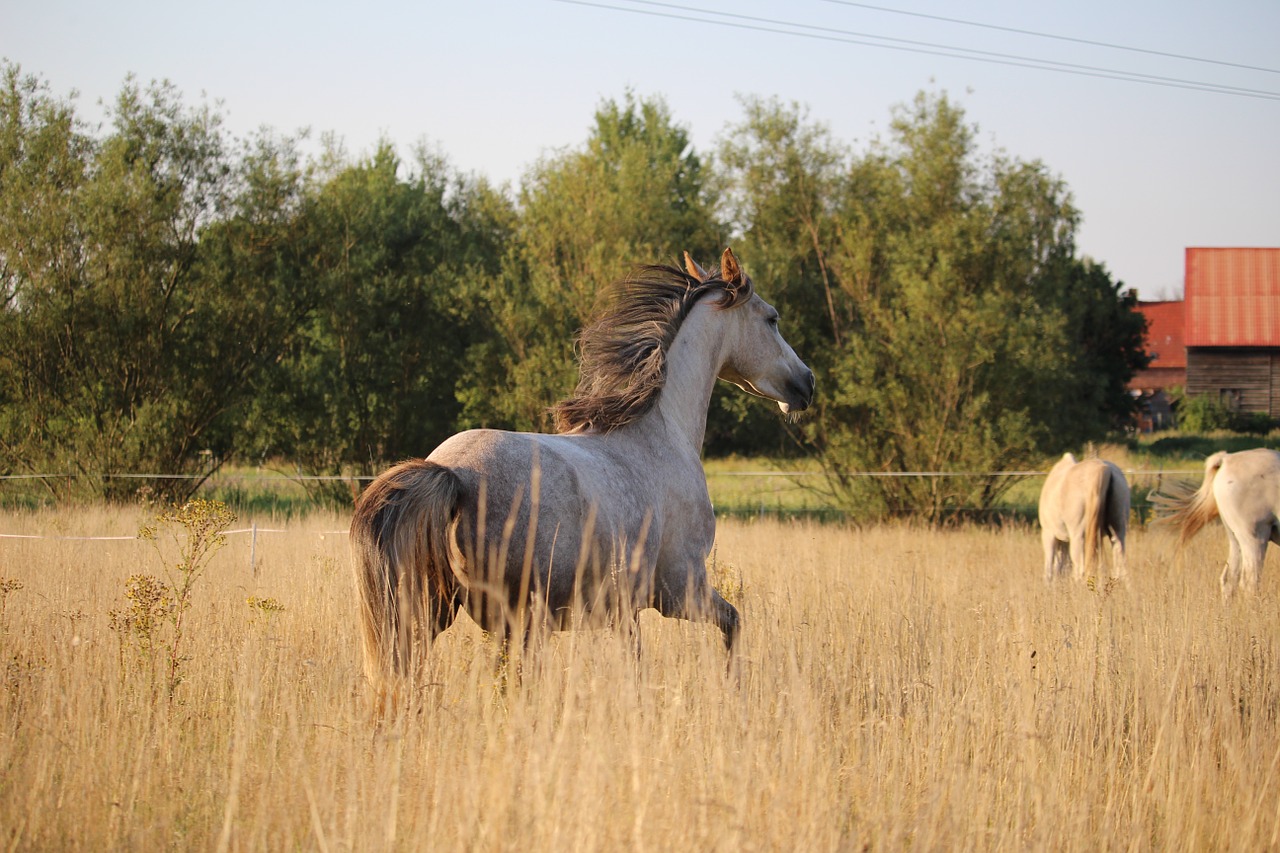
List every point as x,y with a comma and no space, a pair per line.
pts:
1202,413
1252,423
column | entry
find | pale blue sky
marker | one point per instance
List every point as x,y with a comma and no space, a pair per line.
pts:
494,84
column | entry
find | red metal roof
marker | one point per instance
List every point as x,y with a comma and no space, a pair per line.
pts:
1165,322
1233,297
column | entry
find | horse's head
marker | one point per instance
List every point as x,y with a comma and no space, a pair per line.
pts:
757,359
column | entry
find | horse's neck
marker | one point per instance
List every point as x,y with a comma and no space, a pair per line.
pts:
693,362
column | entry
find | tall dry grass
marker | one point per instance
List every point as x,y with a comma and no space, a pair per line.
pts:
899,689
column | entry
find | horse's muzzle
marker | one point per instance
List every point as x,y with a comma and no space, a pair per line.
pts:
800,391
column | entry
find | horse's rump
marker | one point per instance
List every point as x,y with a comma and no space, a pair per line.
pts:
400,553
1095,480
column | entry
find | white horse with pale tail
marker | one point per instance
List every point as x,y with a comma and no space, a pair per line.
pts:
1080,504
1243,489
529,531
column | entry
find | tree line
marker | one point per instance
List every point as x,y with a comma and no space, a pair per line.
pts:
172,297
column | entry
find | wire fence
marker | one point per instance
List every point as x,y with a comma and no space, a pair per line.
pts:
252,531
762,502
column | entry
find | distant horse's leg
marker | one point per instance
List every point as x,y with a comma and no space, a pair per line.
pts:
1050,545
1231,572
1253,551
1077,555
1119,569
1117,525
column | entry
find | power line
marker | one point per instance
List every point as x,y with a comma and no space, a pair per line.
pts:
832,34
1054,36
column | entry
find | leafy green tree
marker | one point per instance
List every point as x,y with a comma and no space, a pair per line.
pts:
947,340
124,348
45,157
943,309
400,264
1106,334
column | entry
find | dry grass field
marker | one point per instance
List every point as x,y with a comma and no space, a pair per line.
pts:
899,689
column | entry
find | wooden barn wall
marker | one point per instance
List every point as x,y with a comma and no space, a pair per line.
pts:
1275,385
1255,373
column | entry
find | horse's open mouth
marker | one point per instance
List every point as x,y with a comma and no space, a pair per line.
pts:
801,393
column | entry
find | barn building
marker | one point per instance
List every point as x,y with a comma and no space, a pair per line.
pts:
1232,327
1167,369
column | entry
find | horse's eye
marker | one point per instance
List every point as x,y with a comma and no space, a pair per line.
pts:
772,321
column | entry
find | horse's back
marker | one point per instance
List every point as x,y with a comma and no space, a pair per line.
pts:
556,471
1069,486
1247,485
545,509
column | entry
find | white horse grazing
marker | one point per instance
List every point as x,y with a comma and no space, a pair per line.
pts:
1079,504
1244,490
608,517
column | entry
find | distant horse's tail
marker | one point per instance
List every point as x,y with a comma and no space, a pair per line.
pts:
407,591
1189,510
1097,497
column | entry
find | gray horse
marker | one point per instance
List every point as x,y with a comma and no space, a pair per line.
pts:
530,531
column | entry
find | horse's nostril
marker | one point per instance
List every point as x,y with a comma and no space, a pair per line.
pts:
802,388
807,387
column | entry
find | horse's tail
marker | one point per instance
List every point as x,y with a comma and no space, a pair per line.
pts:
407,591
1096,498
1190,509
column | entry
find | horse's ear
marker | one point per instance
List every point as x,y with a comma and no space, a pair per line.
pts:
692,268
730,272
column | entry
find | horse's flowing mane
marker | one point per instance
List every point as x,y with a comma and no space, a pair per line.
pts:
623,352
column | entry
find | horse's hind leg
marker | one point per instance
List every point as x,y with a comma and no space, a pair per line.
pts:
1253,551
440,615
1118,567
637,646
1078,566
1052,555
1231,572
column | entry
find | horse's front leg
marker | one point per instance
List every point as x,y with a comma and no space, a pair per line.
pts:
728,621
700,602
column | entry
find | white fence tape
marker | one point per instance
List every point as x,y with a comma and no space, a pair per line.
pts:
126,538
